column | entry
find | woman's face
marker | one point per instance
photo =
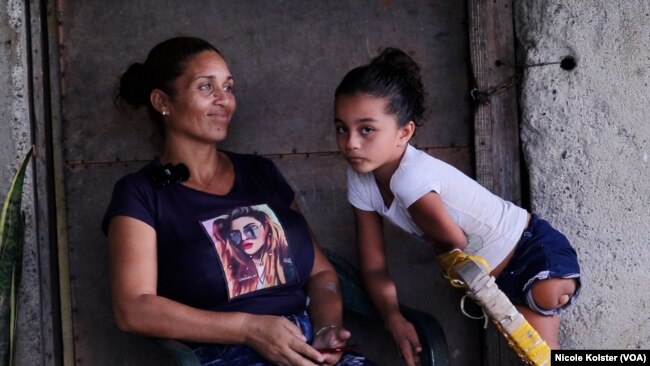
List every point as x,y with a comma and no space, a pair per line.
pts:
203,103
248,234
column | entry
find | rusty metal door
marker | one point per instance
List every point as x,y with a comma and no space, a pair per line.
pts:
287,57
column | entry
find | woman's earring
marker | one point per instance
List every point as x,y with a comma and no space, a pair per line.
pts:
165,113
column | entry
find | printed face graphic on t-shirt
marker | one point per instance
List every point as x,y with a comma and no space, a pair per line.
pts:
252,248
248,234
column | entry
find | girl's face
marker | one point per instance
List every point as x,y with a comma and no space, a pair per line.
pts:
366,135
247,234
203,103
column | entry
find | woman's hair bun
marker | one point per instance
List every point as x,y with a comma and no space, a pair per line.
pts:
134,85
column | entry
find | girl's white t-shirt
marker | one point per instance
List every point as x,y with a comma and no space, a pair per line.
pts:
493,225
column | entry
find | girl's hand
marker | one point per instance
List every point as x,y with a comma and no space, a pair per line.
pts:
333,337
406,339
280,341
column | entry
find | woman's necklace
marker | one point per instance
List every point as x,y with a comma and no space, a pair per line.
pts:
225,171
206,187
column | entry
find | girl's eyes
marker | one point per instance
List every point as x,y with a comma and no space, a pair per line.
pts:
227,88
362,130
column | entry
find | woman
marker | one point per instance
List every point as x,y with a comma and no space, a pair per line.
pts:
255,251
166,275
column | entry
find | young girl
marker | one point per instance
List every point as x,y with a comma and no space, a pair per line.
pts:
377,109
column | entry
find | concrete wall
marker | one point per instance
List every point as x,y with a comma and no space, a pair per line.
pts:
586,137
14,126
15,140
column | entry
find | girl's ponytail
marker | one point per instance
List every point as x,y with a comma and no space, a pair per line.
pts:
393,75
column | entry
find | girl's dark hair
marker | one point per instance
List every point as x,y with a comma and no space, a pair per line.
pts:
392,75
165,62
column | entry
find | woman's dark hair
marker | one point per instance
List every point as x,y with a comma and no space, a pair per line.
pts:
392,75
165,62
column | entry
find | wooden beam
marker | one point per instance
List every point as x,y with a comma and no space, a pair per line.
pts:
496,127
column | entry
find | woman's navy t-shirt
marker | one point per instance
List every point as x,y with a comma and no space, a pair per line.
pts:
190,270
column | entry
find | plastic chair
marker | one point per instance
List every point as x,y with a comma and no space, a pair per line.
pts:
355,300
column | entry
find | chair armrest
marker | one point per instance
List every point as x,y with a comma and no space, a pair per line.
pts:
432,338
181,353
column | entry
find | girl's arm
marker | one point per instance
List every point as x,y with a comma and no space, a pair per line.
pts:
431,216
138,309
372,260
379,285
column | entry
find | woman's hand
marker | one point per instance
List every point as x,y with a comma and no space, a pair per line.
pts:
406,339
279,340
333,337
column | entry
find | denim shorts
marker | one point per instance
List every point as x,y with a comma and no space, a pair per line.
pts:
541,253
242,355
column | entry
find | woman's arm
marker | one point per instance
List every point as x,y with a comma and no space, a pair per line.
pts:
138,309
136,306
379,285
325,303
431,216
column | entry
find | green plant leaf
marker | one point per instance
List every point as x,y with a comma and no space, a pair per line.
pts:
12,235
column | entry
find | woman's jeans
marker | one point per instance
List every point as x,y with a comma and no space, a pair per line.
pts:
243,355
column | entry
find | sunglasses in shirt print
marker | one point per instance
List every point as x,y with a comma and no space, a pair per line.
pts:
250,231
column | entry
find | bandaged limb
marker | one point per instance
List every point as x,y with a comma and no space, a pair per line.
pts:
472,274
